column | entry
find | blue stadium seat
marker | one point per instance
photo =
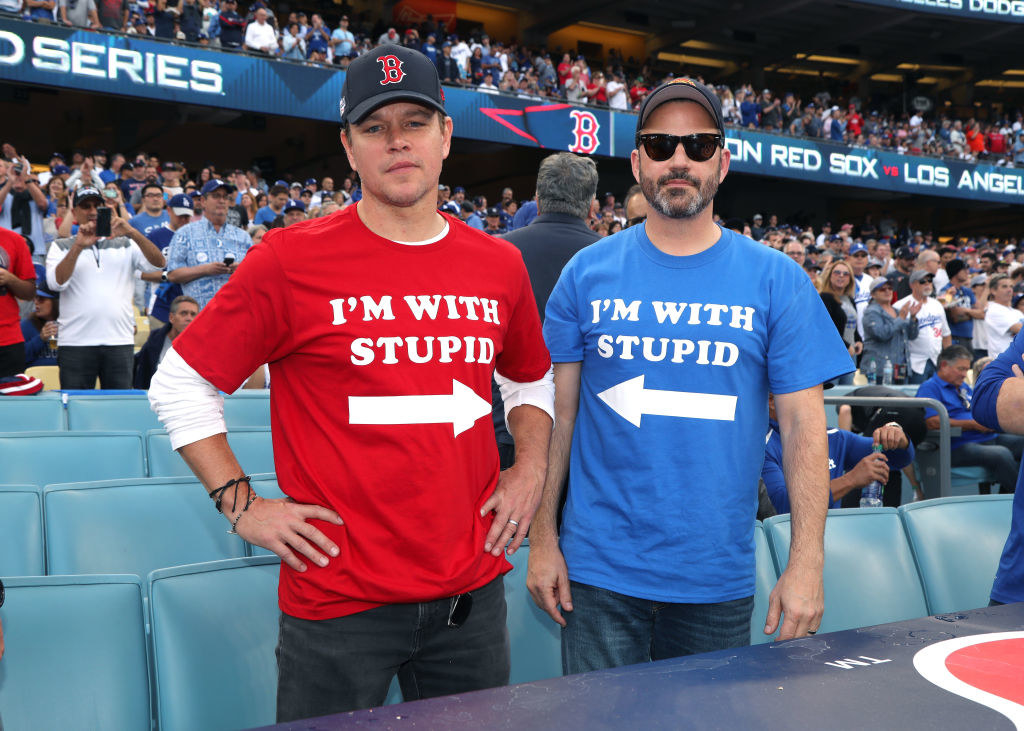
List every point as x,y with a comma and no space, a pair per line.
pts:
133,526
765,576
247,409
43,458
31,413
21,531
957,542
252,446
214,632
870,576
534,636
76,655
105,413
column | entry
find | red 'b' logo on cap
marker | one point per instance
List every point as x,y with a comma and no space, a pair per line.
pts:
392,67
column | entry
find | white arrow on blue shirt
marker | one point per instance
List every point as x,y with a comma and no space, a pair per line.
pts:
461,409
631,401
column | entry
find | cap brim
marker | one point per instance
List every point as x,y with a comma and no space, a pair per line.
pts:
361,111
90,197
228,186
183,211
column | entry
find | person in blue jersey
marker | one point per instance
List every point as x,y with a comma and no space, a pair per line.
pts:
666,339
999,405
852,461
153,215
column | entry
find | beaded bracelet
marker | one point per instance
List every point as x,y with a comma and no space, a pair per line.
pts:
234,523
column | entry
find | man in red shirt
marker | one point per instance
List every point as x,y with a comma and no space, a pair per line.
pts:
854,122
17,281
382,339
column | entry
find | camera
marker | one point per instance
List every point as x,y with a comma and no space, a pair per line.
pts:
18,167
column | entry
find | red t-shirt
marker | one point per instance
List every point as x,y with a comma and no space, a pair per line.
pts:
312,300
16,258
996,143
564,71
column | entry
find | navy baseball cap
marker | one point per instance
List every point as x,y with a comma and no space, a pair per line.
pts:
385,75
215,184
61,170
858,248
181,205
686,89
310,181
85,193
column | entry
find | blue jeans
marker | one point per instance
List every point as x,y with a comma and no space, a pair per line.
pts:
1000,457
329,666
606,629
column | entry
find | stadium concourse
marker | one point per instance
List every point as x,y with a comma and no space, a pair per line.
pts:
877,143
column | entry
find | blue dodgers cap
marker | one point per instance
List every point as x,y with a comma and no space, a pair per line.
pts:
385,75
858,248
310,181
61,170
181,205
294,205
215,184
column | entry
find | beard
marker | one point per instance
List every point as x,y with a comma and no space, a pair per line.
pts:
680,203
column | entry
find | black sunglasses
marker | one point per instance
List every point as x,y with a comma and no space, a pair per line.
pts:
699,147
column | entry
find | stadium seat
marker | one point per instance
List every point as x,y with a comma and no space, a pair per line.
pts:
214,631
31,413
133,527
104,413
247,409
48,374
252,446
44,458
21,531
533,635
75,655
765,576
870,576
957,542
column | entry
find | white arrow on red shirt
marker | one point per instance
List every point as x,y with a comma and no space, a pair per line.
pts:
631,401
461,409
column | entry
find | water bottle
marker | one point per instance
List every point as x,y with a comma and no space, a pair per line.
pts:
871,494
871,371
887,373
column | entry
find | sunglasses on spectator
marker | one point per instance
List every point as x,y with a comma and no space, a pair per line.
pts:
840,272
699,147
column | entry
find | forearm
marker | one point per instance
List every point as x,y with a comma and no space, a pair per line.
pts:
184,275
841,485
67,265
805,464
38,196
213,462
531,429
149,249
23,289
155,277
64,230
544,528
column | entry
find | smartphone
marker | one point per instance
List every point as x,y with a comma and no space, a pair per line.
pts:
229,259
103,221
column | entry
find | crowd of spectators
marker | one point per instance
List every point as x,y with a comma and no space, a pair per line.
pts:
493,66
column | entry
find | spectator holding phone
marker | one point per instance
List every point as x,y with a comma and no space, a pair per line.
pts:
94,272
204,253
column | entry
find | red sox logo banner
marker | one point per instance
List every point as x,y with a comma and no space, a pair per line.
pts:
987,669
555,126
392,68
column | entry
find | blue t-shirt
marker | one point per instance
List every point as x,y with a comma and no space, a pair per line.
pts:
957,403
147,224
845,450
160,303
678,356
264,216
962,297
1009,583
749,113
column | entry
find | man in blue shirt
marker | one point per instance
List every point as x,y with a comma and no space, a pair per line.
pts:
999,405
666,339
961,304
205,253
152,216
342,38
852,461
276,200
978,445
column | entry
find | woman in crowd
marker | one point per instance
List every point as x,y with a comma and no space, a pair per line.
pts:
837,288
41,326
293,45
56,194
249,204
887,331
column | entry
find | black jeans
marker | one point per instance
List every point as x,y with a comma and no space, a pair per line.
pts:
12,359
81,365
335,665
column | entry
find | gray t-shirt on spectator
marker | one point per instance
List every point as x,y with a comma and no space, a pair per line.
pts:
79,11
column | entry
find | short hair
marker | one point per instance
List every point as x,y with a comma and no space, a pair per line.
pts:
179,301
147,186
278,189
990,255
566,183
995,279
954,353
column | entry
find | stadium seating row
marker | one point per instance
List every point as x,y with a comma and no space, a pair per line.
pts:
78,654
47,458
124,411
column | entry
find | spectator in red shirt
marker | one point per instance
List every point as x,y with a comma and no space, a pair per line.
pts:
854,122
17,281
564,69
996,140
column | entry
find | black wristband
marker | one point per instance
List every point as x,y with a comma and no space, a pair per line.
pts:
217,495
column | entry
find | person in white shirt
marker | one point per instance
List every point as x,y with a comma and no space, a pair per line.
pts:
1002,321
615,89
858,261
96,278
260,35
933,328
